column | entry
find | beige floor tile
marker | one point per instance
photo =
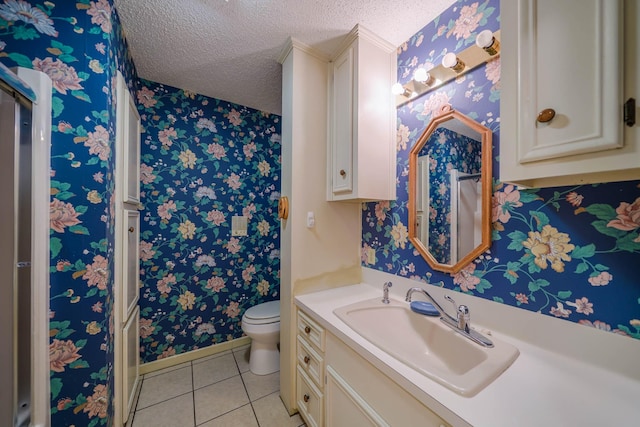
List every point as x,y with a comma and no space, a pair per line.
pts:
213,356
169,369
214,370
242,358
165,386
261,385
271,412
219,398
241,417
176,412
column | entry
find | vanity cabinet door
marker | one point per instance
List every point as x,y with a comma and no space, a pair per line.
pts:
563,92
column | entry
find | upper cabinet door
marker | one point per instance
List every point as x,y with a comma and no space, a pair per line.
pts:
563,69
128,143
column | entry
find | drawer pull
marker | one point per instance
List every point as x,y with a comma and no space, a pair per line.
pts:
131,229
546,115
307,329
343,173
307,360
305,398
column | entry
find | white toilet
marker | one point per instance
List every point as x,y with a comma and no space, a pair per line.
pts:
261,323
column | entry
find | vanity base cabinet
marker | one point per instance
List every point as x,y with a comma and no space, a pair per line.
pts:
357,393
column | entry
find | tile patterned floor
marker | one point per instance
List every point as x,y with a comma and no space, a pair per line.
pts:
215,391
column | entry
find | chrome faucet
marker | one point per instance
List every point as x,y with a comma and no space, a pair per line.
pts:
460,323
385,292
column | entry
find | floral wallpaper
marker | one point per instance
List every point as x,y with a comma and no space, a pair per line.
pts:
446,150
79,45
204,161
567,252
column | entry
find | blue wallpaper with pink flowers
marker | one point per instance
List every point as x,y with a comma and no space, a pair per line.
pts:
567,252
204,161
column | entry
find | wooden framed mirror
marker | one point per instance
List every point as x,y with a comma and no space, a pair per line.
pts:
450,188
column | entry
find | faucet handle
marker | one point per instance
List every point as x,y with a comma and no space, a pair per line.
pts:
455,306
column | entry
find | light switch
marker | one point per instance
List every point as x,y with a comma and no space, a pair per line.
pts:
311,220
238,225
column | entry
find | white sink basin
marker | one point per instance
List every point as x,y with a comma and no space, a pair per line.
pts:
428,346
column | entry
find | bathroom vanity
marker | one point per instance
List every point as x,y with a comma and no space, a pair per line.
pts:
565,374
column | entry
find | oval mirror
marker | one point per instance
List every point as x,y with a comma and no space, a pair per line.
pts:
450,182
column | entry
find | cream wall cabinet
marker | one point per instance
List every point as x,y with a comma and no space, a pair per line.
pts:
362,119
567,70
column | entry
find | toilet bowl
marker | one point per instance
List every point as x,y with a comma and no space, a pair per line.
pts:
261,323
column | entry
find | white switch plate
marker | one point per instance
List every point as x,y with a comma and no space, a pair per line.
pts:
311,220
238,225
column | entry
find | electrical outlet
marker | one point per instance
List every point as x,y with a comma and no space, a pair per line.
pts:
371,256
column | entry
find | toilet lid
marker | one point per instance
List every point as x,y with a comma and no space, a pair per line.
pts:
265,311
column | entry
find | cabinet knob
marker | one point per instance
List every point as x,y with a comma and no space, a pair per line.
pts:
131,229
546,115
307,360
305,398
343,173
307,329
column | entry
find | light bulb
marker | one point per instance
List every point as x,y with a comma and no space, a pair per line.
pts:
488,42
450,60
397,89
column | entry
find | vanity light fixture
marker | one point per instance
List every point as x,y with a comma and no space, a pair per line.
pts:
422,75
398,89
450,60
485,40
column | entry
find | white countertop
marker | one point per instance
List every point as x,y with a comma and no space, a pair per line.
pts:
588,378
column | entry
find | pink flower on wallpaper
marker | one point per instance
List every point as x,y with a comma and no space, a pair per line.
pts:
628,218
216,284
522,298
97,273
62,76
100,13
20,10
62,353
98,143
232,309
381,210
146,328
164,284
146,250
249,210
167,136
574,199
146,174
560,311
62,215
467,22
98,402
249,149
168,352
435,103
247,273
233,181
234,117
602,279
165,209
145,97
582,305
466,279
233,246
596,324
217,150
216,217
503,202
492,70
402,137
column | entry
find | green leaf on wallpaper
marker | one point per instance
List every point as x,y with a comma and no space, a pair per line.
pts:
602,228
94,422
81,131
498,299
83,75
601,267
57,106
55,245
541,219
25,33
81,95
627,243
564,295
483,285
81,343
537,284
582,252
527,196
517,237
91,292
79,229
581,268
67,58
81,209
602,211
55,385
62,47
533,268
95,30
21,60
93,161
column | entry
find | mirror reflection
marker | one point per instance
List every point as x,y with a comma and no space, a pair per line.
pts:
450,191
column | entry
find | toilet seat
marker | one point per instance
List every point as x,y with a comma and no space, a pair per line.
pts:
261,314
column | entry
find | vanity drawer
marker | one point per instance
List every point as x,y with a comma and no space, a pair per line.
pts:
310,361
309,400
311,331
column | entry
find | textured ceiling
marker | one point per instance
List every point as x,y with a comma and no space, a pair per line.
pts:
229,49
